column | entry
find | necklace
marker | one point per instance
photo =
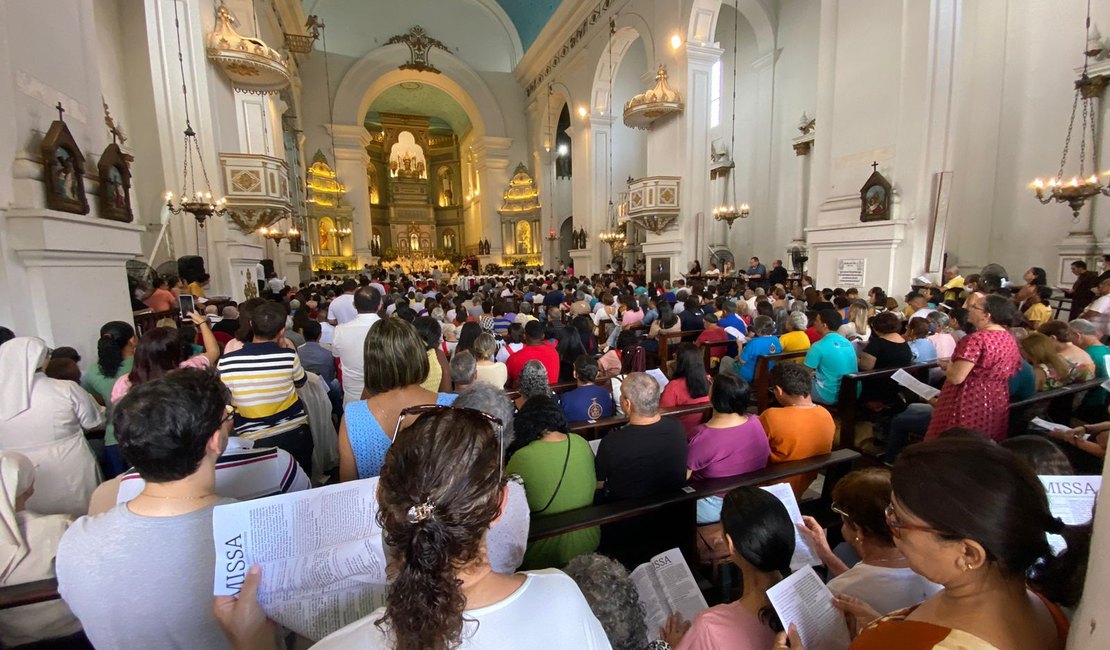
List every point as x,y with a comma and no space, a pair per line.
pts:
157,496
885,560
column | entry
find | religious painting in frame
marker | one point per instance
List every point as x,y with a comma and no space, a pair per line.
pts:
875,197
64,170
114,170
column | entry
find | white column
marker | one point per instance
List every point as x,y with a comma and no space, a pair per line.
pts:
697,220
350,166
598,198
493,177
581,137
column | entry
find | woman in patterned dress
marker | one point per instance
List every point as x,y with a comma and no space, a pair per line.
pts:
976,393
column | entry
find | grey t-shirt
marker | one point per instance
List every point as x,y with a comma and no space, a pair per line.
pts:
142,582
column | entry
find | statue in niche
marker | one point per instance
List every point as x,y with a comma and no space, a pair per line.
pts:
446,187
325,238
523,238
65,178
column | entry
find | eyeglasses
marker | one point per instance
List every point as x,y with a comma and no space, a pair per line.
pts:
840,512
896,527
495,422
229,414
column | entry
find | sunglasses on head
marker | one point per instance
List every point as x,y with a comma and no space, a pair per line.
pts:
496,423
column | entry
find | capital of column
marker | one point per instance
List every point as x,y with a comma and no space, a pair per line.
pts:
599,121
704,55
349,136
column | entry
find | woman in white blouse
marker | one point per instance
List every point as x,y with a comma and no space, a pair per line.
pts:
882,578
491,372
441,488
45,420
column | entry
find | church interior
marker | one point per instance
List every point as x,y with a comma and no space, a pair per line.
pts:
856,143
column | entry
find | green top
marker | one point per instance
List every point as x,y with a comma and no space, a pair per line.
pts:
1096,399
540,464
97,383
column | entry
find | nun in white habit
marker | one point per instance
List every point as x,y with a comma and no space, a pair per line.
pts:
28,543
45,419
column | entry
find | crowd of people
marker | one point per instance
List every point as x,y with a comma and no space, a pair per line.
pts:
941,541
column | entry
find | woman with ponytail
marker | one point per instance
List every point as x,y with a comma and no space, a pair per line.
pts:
441,488
760,539
115,354
973,517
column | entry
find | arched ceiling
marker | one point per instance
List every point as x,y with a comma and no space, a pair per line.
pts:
414,98
479,32
529,17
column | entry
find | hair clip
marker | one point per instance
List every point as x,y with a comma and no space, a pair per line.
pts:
419,513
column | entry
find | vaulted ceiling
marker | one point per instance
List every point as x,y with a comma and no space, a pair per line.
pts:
413,98
529,17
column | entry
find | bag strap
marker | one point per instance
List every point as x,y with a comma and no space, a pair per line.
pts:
566,461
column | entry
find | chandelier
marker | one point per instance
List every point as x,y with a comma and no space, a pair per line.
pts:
276,235
1081,187
194,201
728,211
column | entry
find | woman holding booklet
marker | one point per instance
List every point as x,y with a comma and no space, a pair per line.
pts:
441,488
972,516
760,538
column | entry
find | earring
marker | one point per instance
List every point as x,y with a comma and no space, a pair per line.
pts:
857,539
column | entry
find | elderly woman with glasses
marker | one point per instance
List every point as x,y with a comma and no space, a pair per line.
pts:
396,362
882,578
972,516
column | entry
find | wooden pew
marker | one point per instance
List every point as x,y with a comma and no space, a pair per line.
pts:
666,347
847,405
564,522
29,593
762,378
596,429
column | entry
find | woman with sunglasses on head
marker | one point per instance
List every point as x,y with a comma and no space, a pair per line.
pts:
883,578
396,364
440,489
973,517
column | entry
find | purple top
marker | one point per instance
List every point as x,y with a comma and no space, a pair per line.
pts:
730,451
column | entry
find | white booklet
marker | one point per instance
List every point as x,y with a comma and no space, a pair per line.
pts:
914,385
666,586
320,552
1072,499
803,554
804,600
1048,426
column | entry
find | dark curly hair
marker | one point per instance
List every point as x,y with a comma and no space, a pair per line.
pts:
540,413
114,337
440,463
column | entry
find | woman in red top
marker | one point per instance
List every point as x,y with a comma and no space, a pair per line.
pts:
976,392
689,384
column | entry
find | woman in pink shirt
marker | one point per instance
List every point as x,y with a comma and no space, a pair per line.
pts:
160,350
760,539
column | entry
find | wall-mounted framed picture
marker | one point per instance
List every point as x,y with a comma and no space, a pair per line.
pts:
64,167
115,184
875,197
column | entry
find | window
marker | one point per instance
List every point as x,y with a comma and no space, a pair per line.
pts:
715,95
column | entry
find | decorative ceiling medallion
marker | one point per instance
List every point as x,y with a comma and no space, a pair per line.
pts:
645,108
251,65
420,44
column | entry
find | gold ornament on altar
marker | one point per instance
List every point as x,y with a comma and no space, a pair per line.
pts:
521,197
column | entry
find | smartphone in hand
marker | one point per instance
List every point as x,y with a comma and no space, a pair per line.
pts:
187,305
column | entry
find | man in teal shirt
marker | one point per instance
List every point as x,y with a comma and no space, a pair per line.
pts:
831,357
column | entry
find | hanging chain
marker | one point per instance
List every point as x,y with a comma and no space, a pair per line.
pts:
609,176
1067,139
181,63
732,145
1083,142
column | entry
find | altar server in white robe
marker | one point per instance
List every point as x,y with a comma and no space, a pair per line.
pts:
45,420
